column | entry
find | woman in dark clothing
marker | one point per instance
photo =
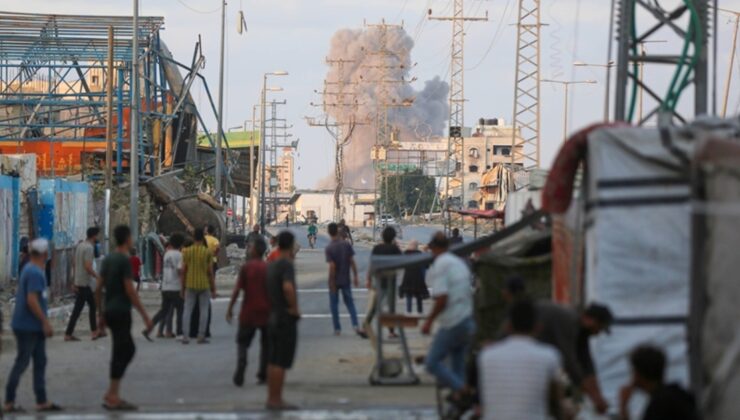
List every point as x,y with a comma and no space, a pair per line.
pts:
414,285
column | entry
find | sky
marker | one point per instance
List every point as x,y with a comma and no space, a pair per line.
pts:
294,35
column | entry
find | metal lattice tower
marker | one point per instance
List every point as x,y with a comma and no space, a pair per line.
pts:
456,142
383,131
653,18
525,148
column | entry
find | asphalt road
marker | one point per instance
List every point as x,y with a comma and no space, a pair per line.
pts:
170,380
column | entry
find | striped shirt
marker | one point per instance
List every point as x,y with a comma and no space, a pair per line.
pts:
198,260
515,376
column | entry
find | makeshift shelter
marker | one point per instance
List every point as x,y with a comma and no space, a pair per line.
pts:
640,242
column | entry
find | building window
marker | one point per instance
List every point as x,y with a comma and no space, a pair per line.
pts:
474,153
472,204
95,80
489,205
473,168
502,150
473,186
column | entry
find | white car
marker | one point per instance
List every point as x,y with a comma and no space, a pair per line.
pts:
386,220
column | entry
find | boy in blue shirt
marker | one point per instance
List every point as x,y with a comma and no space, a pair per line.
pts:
31,328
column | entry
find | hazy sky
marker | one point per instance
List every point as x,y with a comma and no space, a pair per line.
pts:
294,35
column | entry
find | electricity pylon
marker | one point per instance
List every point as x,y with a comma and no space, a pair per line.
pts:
456,142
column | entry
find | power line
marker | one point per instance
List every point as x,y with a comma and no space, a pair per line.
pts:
203,12
496,35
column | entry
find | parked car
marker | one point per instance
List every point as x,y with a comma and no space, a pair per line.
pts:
386,220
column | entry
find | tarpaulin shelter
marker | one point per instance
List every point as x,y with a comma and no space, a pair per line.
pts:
639,250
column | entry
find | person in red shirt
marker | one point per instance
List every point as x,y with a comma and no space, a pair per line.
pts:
275,251
136,268
254,313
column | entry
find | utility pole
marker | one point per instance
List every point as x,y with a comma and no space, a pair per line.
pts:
456,141
263,142
566,87
134,128
108,138
340,130
219,157
525,137
390,60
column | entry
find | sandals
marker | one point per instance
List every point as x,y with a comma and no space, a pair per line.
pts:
146,333
50,408
14,409
123,405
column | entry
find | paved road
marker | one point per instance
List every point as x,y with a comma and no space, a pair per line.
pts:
329,378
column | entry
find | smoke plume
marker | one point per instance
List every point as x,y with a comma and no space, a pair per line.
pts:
362,72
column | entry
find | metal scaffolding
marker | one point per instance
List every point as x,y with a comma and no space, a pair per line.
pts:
53,101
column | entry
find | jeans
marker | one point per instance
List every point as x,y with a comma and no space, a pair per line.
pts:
452,343
31,344
410,304
124,348
243,341
202,299
83,296
171,305
348,302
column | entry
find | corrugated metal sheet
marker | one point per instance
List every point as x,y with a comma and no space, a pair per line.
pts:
9,221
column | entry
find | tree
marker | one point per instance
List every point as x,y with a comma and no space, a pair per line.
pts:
402,192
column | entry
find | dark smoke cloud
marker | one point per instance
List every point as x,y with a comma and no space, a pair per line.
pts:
427,116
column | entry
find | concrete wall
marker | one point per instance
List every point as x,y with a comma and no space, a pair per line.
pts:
9,215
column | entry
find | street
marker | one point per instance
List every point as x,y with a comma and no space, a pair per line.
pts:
330,376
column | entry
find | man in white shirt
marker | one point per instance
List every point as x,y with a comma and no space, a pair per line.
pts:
453,308
518,375
172,302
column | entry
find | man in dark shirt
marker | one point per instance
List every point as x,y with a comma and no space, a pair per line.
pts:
120,297
456,238
254,313
570,331
283,322
667,402
340,256
387,247
345,233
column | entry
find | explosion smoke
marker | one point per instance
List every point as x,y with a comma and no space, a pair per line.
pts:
361,73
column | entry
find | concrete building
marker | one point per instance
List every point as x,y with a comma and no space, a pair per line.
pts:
319,204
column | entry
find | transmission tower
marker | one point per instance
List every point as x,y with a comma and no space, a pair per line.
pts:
383,140
691,65
525,138
456,142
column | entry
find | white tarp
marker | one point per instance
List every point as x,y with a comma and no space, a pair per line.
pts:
638,249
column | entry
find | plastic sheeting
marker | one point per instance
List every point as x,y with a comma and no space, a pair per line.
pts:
638,248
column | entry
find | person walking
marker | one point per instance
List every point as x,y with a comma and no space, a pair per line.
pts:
453,310
274,249
414,286
345,232
115,313
456,238
254,312
84,277
172,303
340,256
385,280
283,323
254,235
518,376
214,245
199,285
31,328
